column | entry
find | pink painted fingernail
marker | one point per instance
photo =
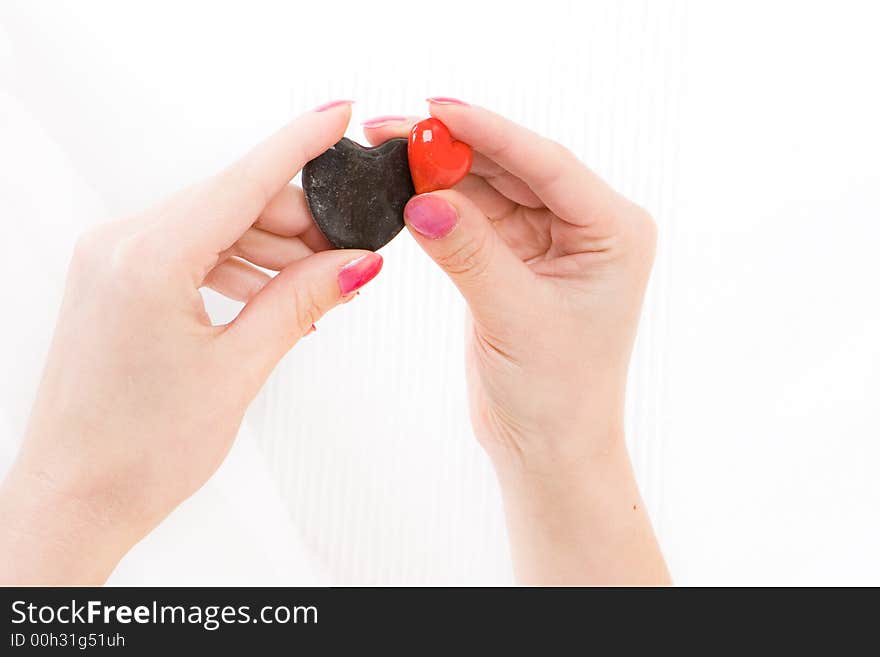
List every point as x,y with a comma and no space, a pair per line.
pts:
446,100
331,105
379,121
431,216
359,272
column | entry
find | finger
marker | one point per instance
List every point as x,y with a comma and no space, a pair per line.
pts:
460,238
557,177
525,230
236,279
491,202
296,298
288,214
268,250
505,182
382,128
213,215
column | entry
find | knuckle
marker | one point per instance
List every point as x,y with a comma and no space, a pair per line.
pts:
646,223
252,289
306,309
114,261
643,229
134,262
469,258
560,160
126,260
561,152
129,250
91,245
92,251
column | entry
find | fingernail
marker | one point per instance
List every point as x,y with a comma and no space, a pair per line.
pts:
312,330
379,121
332,104
446,100
432,216
359,272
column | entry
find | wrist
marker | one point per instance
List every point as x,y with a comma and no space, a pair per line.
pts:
583,462
551,425
547,448
54,534
579,520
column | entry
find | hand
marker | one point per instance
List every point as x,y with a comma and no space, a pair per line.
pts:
553,265
141,396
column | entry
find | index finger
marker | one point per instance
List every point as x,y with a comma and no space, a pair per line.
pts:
565,185
214,214
505,183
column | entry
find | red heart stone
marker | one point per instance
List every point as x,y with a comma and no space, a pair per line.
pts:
436,160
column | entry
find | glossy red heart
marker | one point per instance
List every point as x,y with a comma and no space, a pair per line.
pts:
436,160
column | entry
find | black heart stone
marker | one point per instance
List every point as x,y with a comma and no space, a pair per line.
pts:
356,194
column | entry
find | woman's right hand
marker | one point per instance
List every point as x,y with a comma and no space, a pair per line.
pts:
553,265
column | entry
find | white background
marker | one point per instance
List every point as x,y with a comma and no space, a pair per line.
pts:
750,130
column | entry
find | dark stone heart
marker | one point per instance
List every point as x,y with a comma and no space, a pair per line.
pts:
356,194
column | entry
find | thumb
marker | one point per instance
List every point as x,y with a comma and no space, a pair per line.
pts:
461,239
285,309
